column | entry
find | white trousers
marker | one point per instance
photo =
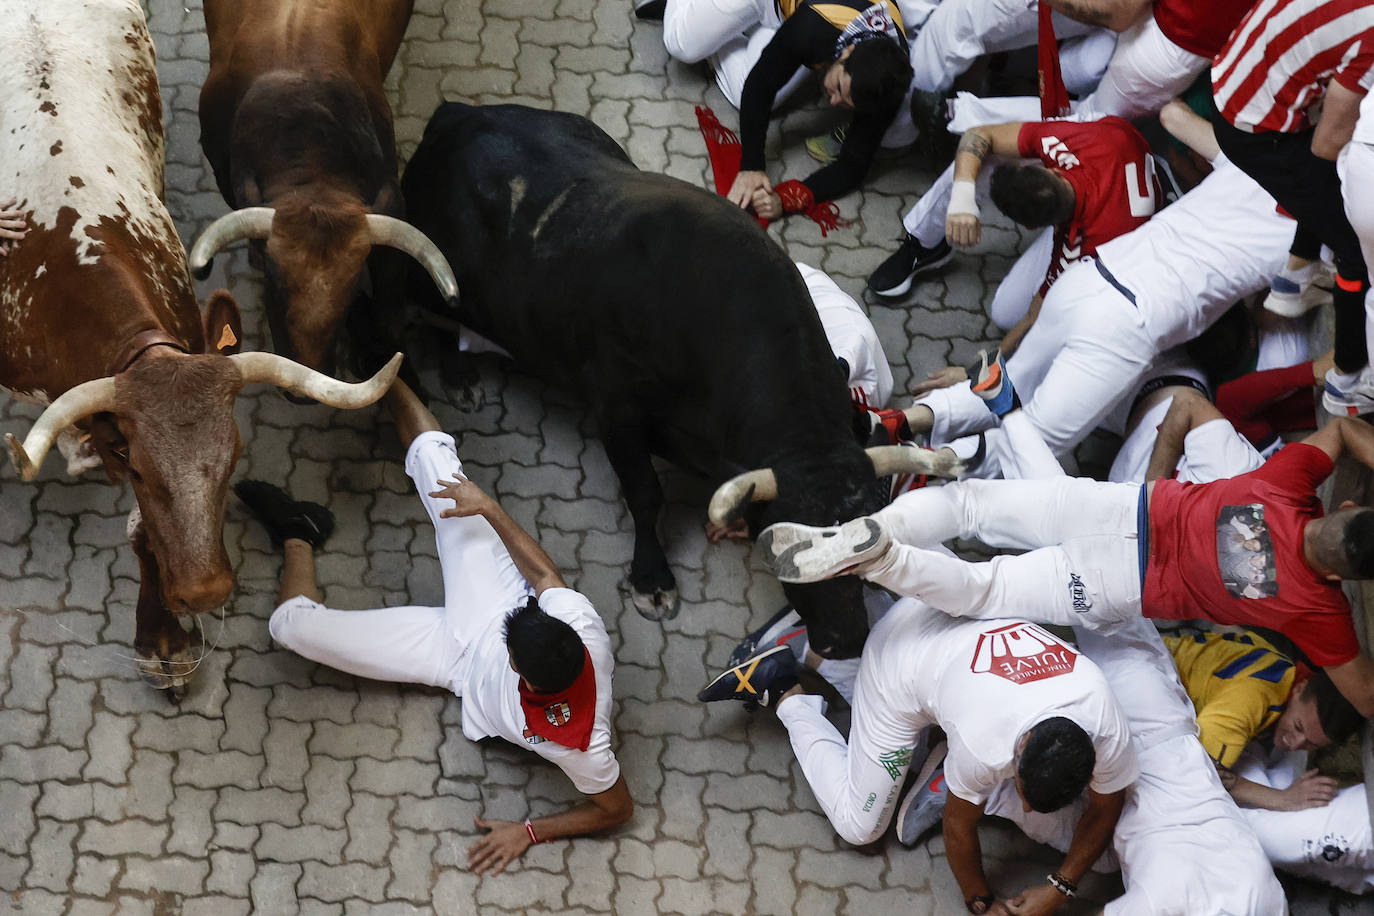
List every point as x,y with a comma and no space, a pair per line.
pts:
1331,844
960,31
1081,568
417,645
693,30
1355,165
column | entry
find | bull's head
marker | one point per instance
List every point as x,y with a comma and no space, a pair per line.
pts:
167,424
317,244
826,491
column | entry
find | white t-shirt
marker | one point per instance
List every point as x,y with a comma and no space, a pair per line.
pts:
491,694
1194,259
851,336
986,682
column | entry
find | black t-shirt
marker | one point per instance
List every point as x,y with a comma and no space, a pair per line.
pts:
808,38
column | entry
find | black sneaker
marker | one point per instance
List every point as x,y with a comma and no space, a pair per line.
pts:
782,629
650,10
759,680
284,517
895,275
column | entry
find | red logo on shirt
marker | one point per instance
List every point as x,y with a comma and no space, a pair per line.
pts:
1021,653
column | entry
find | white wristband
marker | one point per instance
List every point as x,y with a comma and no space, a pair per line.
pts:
963,199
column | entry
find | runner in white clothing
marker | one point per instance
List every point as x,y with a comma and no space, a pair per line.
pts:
1030,722
506,612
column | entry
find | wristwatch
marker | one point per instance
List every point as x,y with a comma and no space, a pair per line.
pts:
978,904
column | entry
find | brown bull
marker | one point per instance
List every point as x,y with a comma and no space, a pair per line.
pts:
98,319
296,124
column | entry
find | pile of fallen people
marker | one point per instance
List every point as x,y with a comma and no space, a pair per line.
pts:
1179,758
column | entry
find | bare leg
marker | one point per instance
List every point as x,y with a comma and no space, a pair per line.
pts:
298,569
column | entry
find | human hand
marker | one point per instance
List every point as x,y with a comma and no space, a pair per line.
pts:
738,530
468,498
1309,791
767,204
742,191
963,230
14,225
998,908
504,842
941,378
1040,900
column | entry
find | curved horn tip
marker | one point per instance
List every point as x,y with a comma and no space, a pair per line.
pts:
20,458
392,368
201,271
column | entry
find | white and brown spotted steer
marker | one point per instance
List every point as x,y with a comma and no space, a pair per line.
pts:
98,318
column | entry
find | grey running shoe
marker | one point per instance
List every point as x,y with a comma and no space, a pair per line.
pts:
925,803
802,553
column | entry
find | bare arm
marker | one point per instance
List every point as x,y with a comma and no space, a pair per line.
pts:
1188,411
534,564
1190,129
962,226
962,849
1117,15
1340,111
1013,338
1355,681
1346,435
1307,791
505,841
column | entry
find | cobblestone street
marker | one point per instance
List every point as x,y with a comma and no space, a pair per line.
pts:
280,786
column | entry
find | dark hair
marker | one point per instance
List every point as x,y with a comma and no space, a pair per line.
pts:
1338,717
879,74
1357,542
546,651
1056,764
1030,195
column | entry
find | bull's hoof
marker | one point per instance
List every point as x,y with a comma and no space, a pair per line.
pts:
171,675
658,605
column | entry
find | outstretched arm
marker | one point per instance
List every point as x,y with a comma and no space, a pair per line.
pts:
1117,15
506,841
1340,111
962,849
1346,435
534,564
962,226
1190,129
1091,837
1188,411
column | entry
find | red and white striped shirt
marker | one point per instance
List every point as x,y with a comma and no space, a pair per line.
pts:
1278,61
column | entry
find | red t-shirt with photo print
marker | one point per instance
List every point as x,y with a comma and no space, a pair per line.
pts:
1231,551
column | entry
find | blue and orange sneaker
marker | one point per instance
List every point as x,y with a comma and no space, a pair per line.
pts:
989,379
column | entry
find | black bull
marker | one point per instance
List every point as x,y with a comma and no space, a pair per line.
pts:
690,334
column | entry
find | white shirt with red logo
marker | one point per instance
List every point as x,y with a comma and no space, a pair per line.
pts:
986,682
491,694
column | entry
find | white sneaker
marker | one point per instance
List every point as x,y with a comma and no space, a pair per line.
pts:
803,553
1343,400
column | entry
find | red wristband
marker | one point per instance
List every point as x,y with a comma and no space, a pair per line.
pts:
529,828
796,197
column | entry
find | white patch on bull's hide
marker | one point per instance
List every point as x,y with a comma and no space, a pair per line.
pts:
42,269
75,73
549,211
38,397
134,523
80,454
518,186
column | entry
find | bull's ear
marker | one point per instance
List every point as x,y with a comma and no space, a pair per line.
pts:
387,199
223,324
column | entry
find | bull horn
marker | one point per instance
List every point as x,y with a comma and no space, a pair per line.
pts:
399,234
81,401
901,459
247,223
730,497
304,381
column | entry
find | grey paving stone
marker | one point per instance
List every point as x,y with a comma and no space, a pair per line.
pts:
177,874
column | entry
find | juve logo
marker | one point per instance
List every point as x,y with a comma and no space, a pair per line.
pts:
559,714
895,761
1021,653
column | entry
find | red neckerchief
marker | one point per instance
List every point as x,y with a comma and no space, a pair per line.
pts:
1054,98
566,716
